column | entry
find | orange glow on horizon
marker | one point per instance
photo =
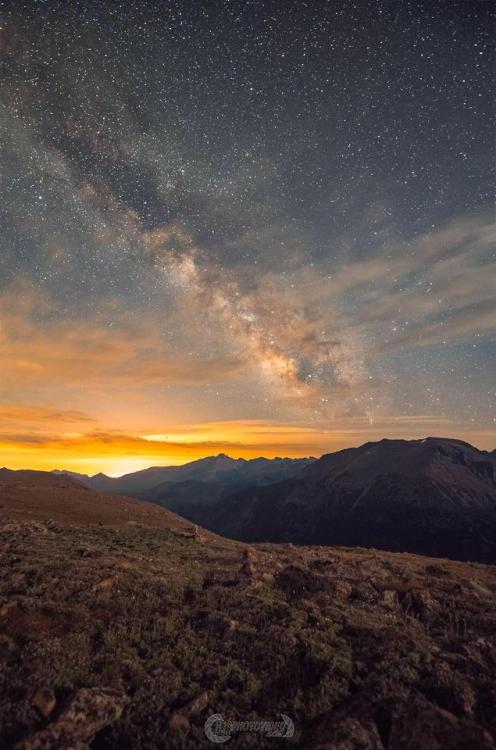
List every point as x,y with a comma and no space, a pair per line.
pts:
116,453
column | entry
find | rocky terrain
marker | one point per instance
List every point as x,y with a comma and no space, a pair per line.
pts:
130,633
435,496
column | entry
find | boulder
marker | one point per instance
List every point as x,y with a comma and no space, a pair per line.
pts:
88,712
44,701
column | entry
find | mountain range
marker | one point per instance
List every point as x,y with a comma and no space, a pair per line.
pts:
434,496
187,489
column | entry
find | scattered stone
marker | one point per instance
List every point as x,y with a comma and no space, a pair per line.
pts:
342,590
195,533
85,551
44,701
390,599
51,524
5,609
88,712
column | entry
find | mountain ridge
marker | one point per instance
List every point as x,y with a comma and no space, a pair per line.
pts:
432,496
209,468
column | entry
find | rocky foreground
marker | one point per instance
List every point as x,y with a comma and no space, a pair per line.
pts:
132,637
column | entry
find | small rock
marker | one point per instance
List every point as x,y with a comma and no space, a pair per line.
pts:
85,551
342,590
5,609
89,711
196,533
44,701
390,599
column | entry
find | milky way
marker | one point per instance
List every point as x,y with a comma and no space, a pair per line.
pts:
273,213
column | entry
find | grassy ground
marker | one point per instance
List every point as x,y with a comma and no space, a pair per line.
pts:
348,643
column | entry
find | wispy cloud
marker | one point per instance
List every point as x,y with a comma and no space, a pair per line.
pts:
38,346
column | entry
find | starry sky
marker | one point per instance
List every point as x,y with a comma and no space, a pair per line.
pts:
244,226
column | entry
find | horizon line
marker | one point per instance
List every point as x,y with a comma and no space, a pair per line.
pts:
247,460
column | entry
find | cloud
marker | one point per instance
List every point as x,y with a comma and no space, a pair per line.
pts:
437,289
22,414
113,348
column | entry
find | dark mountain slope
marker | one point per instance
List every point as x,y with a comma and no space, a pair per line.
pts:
435,496
193,497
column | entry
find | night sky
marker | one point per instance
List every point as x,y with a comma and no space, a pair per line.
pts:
255,227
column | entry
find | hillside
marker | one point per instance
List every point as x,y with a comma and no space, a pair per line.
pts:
38,496
435,496
120,635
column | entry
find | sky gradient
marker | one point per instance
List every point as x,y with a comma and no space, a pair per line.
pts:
248,227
